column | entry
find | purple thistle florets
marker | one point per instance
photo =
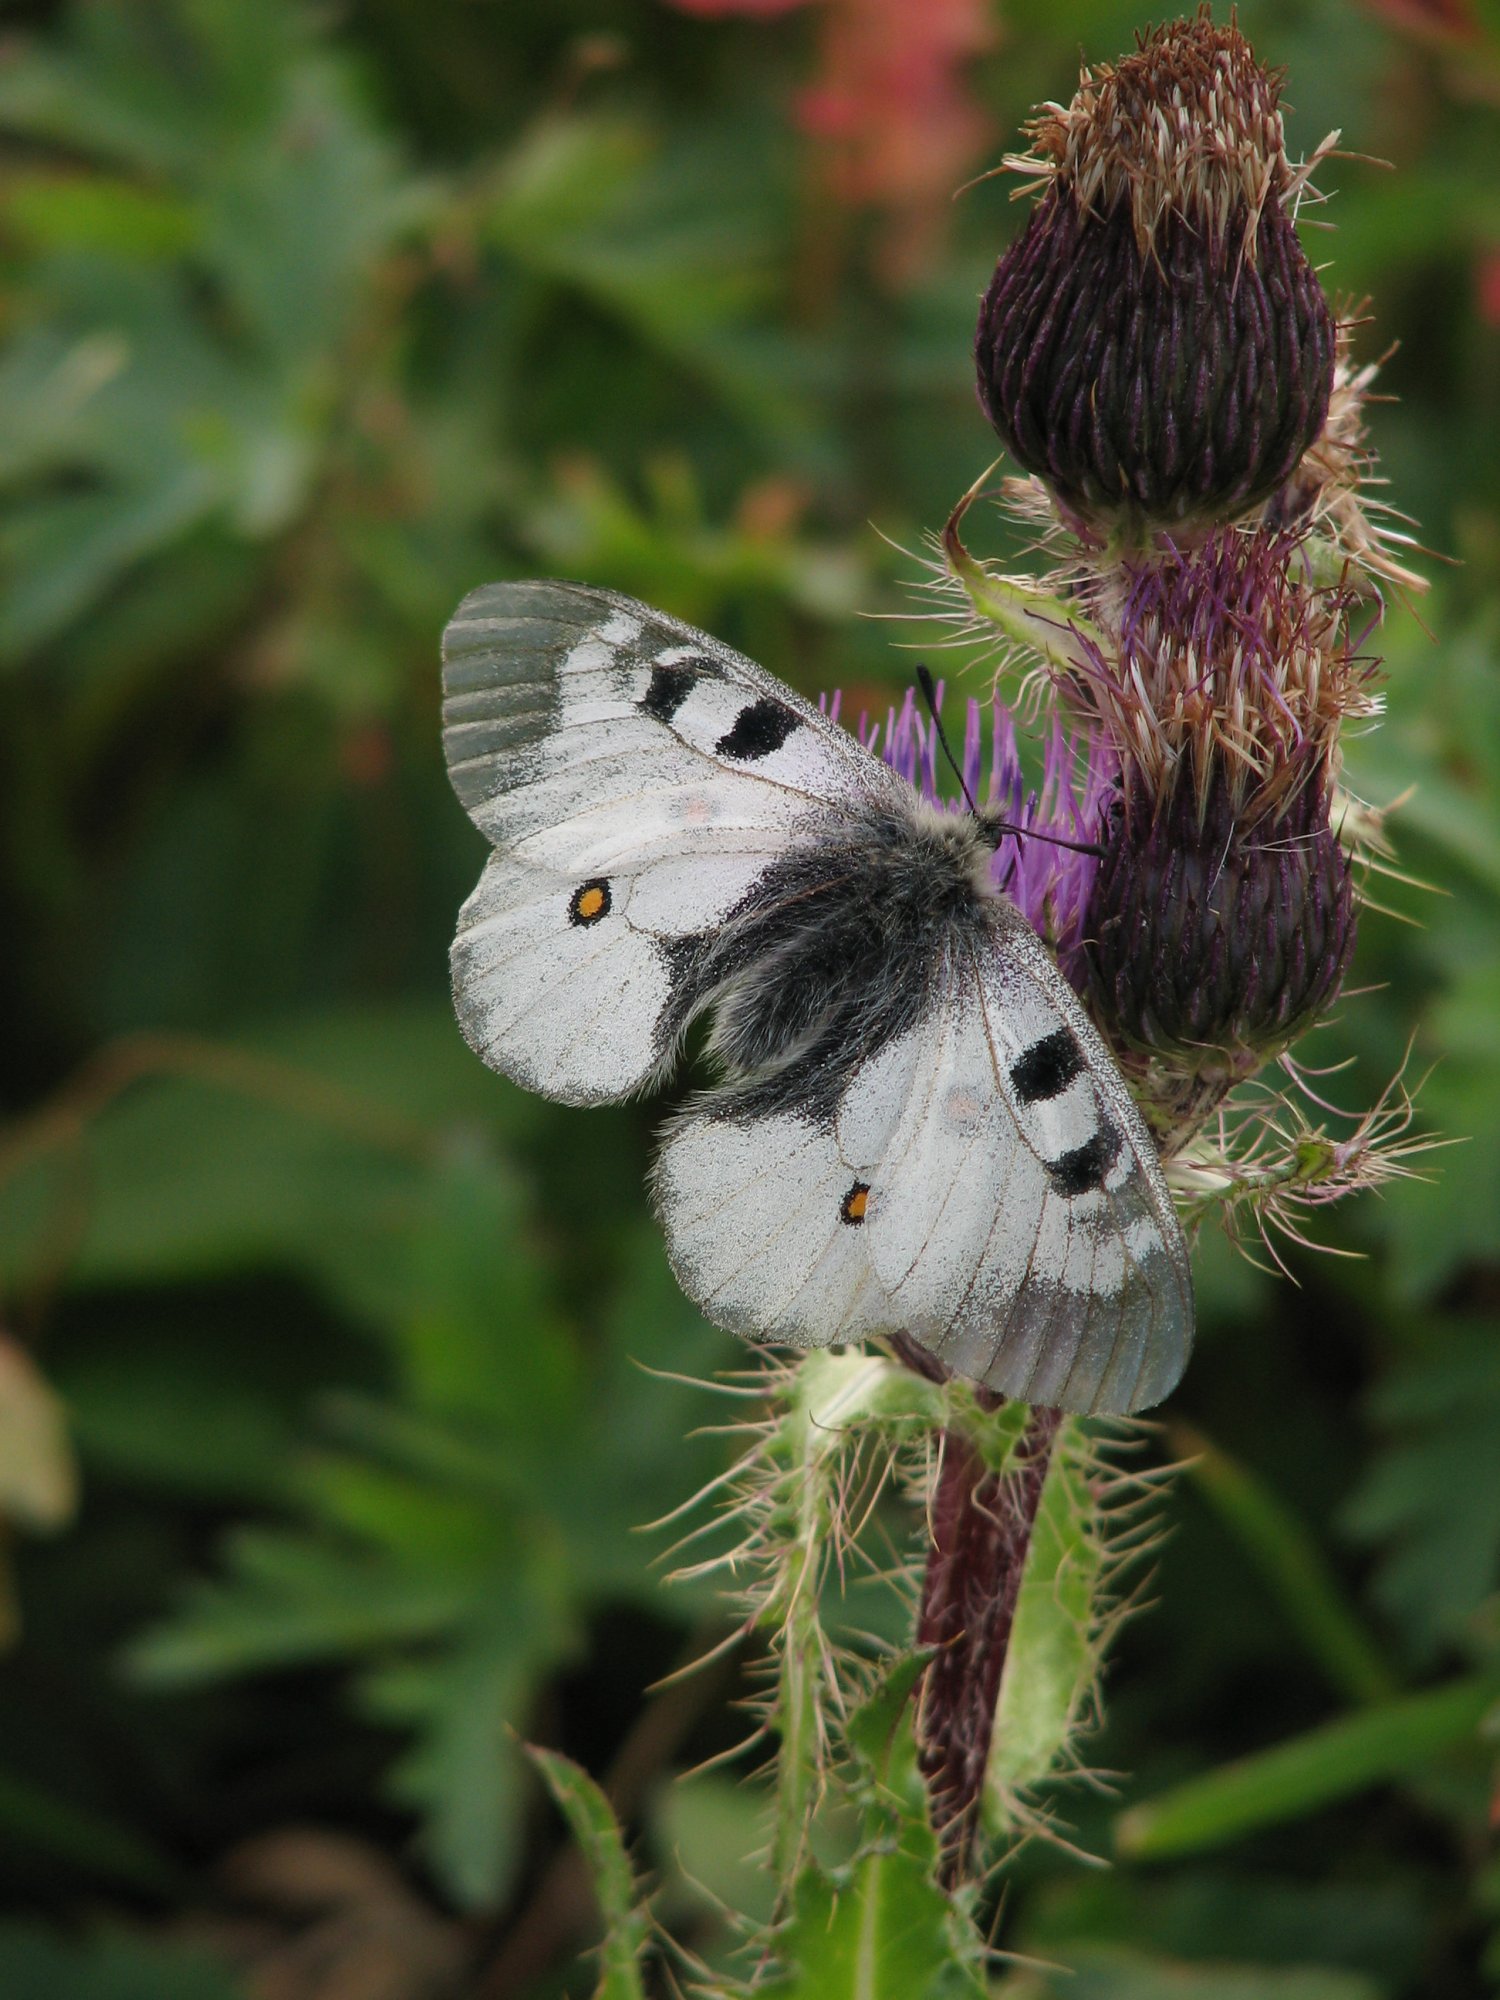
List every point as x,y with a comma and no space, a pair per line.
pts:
1050,884
1223,663
1223,916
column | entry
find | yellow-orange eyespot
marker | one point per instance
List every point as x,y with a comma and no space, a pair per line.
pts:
590,902
852,1207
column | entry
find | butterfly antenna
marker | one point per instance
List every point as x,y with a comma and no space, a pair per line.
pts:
988,821
929,694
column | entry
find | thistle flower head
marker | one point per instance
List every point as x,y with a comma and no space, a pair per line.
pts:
1155,345
1209,943
1208,687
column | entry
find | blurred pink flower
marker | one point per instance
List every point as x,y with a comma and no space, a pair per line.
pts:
763,10
1487,287
890,108
890,97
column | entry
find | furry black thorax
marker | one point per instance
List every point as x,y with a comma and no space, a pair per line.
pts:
836,951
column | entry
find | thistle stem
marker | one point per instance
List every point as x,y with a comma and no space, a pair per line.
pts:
981,1531
800,1689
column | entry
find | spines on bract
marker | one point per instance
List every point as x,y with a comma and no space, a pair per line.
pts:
791,1527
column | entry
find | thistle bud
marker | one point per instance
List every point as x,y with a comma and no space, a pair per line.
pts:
1211,940
1155,346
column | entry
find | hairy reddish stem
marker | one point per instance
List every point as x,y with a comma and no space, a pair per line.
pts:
981,1530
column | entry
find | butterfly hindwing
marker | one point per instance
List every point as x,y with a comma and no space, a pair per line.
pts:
637,778
985,1184
761,1217
1019,1221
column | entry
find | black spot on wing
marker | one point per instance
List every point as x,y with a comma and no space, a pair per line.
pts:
1047,1067
758,730
669,689
1082,1170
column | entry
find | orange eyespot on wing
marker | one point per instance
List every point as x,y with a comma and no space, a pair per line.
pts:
590,901
852,1207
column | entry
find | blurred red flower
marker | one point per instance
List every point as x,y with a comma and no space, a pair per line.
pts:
754,9
890,108
1487,287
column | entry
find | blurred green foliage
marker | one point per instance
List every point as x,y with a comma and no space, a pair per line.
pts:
310,320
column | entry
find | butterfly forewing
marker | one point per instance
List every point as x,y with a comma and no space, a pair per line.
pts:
636,778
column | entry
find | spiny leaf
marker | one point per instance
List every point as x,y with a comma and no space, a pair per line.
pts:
1053,1657
872,1728
627,1926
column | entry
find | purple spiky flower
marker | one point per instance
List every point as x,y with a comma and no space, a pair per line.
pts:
1221,920
1050,883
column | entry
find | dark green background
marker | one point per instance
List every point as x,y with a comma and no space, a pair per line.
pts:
312,320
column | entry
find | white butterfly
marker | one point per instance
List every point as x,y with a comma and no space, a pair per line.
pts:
918,1127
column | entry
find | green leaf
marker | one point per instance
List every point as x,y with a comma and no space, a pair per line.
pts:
64,554
156,88
1053,1659
879,1930
310,1148
1128,1975
462,1771
1437,1525
108,217
604,206
290,1599
1392,1740
627,1926
1378,1924
36,1966
83,1841
294,226
1289,1559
